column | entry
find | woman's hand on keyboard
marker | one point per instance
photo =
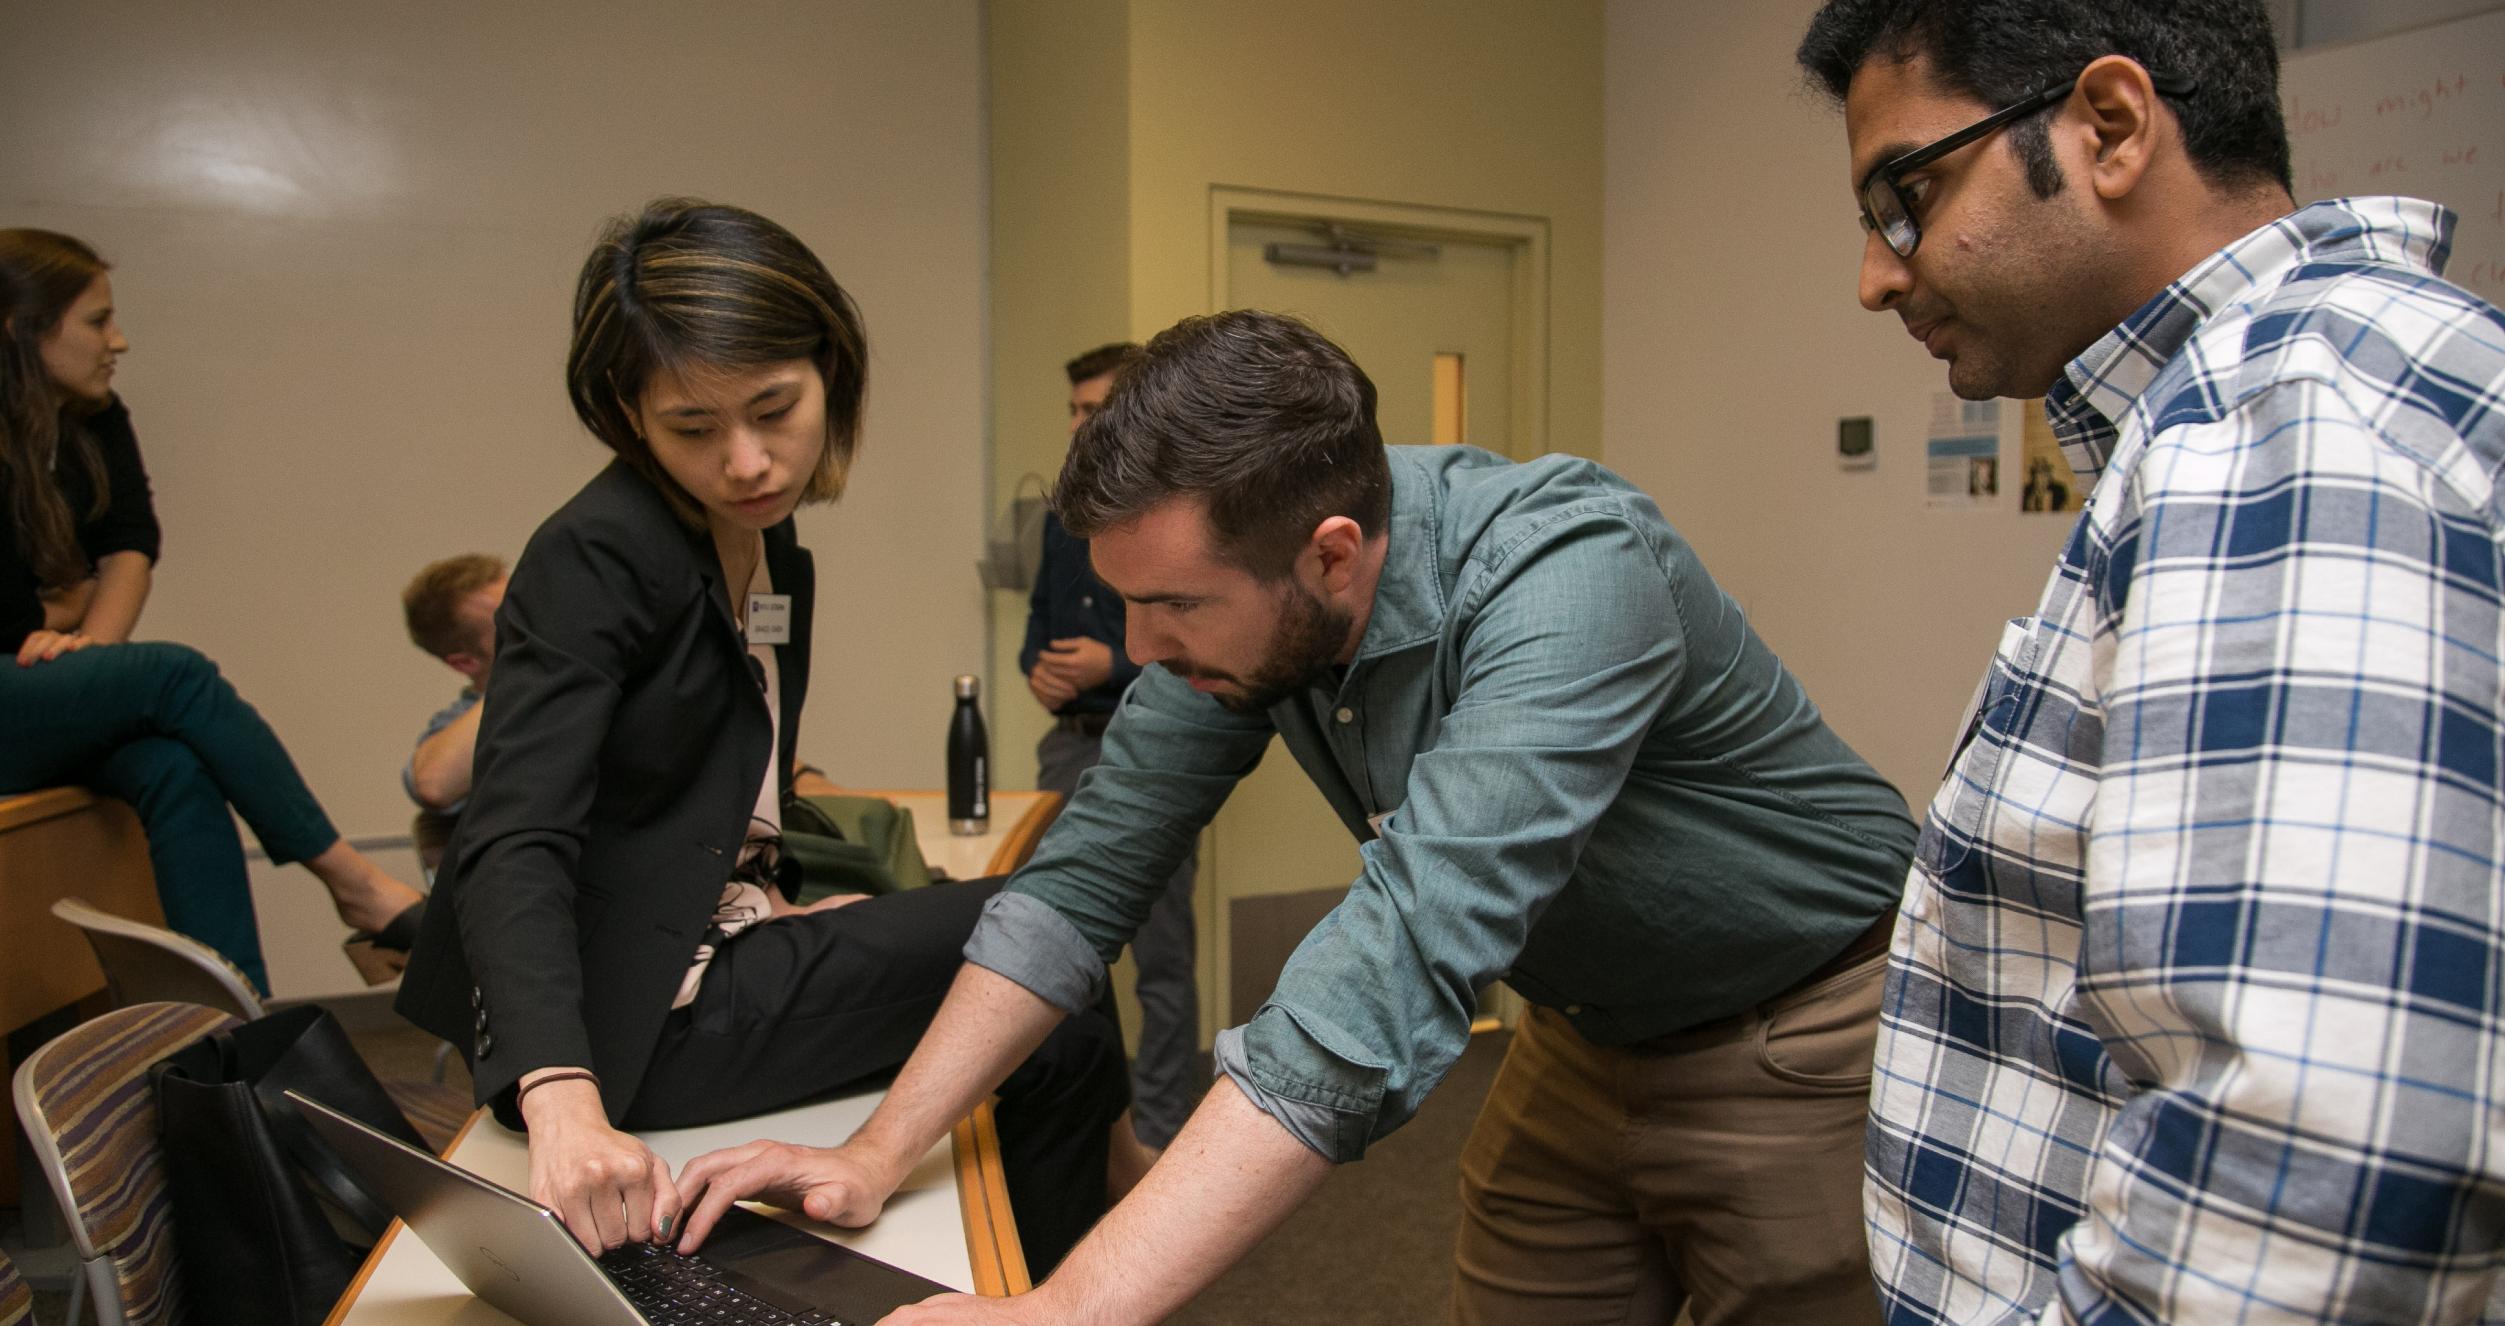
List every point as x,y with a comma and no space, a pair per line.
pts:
607,1186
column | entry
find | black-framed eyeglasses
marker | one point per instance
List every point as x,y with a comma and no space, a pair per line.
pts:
1884,208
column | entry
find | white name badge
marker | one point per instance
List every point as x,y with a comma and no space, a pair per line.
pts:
769,619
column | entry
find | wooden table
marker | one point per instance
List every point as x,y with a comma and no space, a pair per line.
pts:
949,1222
1018,821
63,842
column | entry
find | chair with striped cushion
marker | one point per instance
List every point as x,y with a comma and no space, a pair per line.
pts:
145,962
91,1113
17,1302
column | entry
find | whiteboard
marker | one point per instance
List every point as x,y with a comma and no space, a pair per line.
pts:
2420,113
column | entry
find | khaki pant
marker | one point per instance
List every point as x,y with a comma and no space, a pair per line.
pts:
1719,1169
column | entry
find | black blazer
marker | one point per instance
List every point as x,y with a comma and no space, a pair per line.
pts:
618,762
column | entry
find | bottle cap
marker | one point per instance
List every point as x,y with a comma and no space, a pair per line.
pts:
969,686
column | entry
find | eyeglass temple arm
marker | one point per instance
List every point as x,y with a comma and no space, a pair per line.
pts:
2171,85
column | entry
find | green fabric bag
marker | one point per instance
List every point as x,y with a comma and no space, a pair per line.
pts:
849,844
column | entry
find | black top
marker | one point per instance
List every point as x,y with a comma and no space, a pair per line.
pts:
128,523
1068,601
619,759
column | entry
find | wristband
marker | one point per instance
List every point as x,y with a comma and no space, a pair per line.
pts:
569,1075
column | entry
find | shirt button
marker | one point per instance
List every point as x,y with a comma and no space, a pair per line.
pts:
1346,715
1574,1010
1087,600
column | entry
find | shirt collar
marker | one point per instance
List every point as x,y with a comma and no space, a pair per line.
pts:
1409,598
2100,386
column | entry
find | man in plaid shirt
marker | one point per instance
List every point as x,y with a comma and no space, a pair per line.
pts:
2196,1007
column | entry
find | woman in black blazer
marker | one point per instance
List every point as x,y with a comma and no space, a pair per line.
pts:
608,943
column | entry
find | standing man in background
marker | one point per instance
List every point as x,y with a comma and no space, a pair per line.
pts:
2194,1014
1076,668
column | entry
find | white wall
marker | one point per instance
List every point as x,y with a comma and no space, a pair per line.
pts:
1731,344
344,240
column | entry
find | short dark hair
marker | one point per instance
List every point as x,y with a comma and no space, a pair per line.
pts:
686,283
1997,51
1256,414
432,602
1101,360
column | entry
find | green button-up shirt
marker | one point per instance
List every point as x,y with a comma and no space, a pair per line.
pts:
1569,763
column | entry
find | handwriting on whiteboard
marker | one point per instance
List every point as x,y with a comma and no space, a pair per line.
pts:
2419,113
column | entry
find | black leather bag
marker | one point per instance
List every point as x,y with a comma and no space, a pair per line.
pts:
269,1224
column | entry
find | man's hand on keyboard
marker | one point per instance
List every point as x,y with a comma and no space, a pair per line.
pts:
842,1185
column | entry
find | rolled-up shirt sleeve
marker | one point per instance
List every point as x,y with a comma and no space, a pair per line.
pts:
1027,941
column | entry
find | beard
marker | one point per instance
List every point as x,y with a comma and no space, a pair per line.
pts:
1308,642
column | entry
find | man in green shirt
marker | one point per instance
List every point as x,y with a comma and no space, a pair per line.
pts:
1570,765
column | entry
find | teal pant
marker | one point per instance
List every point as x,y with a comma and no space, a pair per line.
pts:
157,726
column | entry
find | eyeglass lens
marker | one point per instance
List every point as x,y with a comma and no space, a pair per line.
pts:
1884,210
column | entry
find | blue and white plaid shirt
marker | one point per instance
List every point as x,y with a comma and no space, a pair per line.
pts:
2196,1009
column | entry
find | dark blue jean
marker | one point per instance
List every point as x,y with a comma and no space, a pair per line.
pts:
157,726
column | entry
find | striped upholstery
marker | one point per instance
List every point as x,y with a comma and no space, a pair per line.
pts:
86,1102
17,1302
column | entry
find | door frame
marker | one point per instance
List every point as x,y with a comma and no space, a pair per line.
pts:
1527,236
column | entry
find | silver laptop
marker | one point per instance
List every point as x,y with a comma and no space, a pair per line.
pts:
517,1255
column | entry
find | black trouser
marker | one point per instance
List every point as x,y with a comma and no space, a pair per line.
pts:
807,1006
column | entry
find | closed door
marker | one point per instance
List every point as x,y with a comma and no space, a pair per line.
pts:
1415,320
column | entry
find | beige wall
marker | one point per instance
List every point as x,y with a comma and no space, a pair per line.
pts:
1732,346
344,239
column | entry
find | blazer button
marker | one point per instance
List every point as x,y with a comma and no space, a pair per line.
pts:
486,1044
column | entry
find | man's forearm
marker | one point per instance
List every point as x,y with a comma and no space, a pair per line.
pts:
986,1027
1229,1178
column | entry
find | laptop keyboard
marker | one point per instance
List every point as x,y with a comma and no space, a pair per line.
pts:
671,1290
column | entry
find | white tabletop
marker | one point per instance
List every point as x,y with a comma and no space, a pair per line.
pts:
923,1229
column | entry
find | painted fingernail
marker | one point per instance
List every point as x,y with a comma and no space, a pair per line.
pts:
665,1225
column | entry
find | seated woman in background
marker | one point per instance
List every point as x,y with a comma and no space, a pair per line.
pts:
609,944
152,724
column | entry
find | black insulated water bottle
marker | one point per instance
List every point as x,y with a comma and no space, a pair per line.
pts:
969,762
